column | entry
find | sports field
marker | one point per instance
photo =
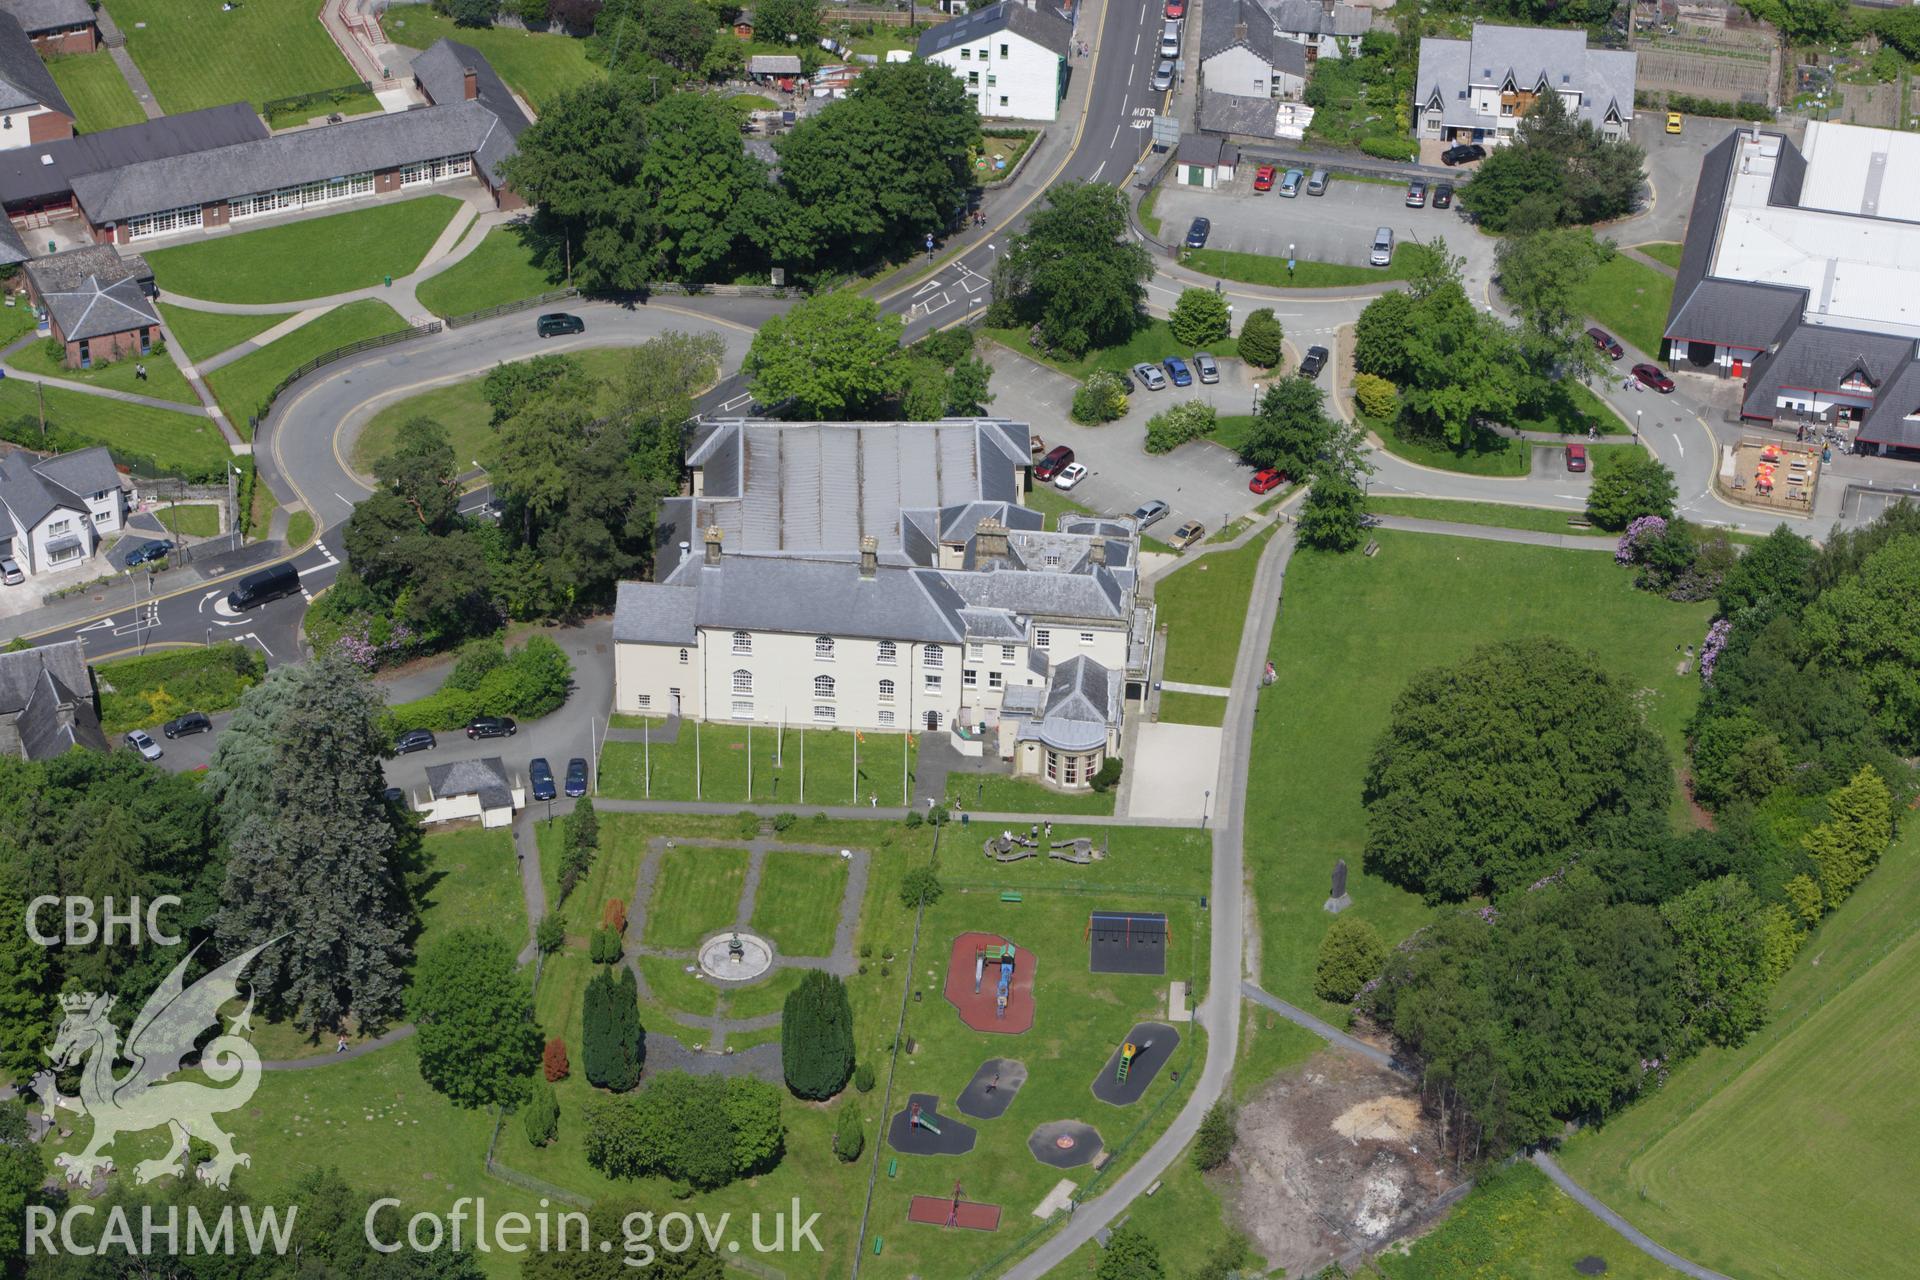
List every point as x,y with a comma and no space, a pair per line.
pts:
1794,1155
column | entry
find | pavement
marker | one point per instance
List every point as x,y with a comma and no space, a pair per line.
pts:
1179,758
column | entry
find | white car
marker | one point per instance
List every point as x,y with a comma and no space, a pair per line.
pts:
140,740
1070,475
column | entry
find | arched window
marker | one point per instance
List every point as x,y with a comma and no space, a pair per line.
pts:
683,657
743,682
823,646
886,691
742,642
889,654
823,686
934,655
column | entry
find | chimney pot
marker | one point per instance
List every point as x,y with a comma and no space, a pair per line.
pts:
471,85
869,556
990,540
714,538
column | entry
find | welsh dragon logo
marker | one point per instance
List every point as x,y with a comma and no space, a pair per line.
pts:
161,1037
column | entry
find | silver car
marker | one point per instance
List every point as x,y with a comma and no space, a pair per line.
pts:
1204,365
10,572
1149,512
1382,252
140,740
1163,76
1150,376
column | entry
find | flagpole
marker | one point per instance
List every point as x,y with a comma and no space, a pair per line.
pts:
646,757
696,760
803,766
749,762
906,795
856,766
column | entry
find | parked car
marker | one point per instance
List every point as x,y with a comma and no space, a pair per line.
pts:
1317,183
1315,361
1673,122
1176,9
1263,178
1178,371
577,777
1126,381
1207,367
414,740
1266,480
1070,475
1163,76
1188,534
1037,445
556,323
1170,39
187,725
394,796
151,549
10,572
1197,233
1465,153
1150,376
1049,467
1417,194
1149,512
140,741
1381,254
540,774
1652,376
1443,195
1576,457
1606,343
1290,185
492,727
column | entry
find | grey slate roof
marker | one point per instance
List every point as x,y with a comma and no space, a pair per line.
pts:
94,291
36,16
1818,358
1895,417
442,72
1210,152
655,613
30,172
1230,113
1448,68
12,248
1309,17
1703,229
1043,26
24,79
1094,594
1226,23
82,473
47,702
1736,313
774,64
792,595
1083,699
29,494
306,155
485,778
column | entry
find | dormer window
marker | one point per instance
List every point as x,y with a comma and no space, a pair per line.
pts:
1857,379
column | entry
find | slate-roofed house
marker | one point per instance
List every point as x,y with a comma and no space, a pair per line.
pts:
1479,89
32,108
48,702
1012,58
451,72
40,179
480,789
885,577
56,26
54,511
98,303
1322,28
1242,55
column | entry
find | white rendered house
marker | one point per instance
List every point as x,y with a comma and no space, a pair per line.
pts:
54,511
1012,58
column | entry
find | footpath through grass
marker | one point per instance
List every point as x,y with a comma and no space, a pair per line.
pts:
1630,299
242,387
95,89
500,269
164,381
1202,606
1793,1154
1270,271
206,55
204,334
1537,519
1352,632
536,65
314,258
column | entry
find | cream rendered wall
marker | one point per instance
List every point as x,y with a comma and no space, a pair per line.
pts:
654,670
784,668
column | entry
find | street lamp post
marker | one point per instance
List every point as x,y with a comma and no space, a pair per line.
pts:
1636,425
1206,804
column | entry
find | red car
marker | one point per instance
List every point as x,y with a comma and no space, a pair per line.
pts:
1176,9
1267,480
1652,377
1263,178
1050,466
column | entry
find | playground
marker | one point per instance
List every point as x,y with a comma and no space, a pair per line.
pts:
1127,942
990,981
990,1092
918,1129
1065,1144
952,1211
1132,1067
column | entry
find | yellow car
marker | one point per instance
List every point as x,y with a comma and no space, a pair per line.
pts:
1673,122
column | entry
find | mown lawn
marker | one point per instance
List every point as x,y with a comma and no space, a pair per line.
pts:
95,89
203,55
696,892
1699,1165
204,334
1270,271
798,901
1202,605
194,520
314,258
1192,708
243,386
164,381
536,65
1537,519
1666,251
812,766
1486,453
670,983
1630,299
1352,632
997,793
472,878
175,441
500,269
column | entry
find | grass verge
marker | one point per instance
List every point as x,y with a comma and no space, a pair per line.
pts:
187,442
1662,251
1152,342
1192,708
299,529
205,334
996,793
1630,299
1264,269
1201,606
243,386
1486,453
1499,515
500,269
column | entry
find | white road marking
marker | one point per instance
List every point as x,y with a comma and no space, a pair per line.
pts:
1136,49
94,626
257,640
1680,445
1116,137
1096,172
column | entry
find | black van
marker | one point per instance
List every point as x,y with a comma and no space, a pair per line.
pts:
264,586
557,323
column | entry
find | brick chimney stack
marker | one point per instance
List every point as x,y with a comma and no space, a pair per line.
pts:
869,556
989,541
714,537
471,87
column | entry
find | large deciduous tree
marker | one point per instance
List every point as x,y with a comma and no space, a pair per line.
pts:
1638,484
1542,275
1720,940
581,164
1199,316
1290,428
1869,625
1075,271
816,1036
474,1016
1493,770
832,356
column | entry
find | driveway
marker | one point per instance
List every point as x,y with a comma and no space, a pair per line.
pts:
1201,481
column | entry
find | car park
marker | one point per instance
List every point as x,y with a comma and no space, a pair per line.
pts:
10,572
1673,122
577,777
1443,195
414,740
1290,185
540,774
1197,233
1049,467
1263,178
152,549
1315,361
557,323
1266,480
143,742
1178,371
1417,194
1207,367
1150,376
1651,375
1163,75
1576,457
492,727
1465,153
1150,512
1187,534
1381,255
1126,382
1070,475
1606,343
187,725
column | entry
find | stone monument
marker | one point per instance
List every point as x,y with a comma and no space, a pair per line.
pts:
1338,901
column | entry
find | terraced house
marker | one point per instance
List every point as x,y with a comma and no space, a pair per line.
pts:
886,577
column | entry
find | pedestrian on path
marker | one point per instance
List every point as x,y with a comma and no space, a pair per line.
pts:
873,800
340,1045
